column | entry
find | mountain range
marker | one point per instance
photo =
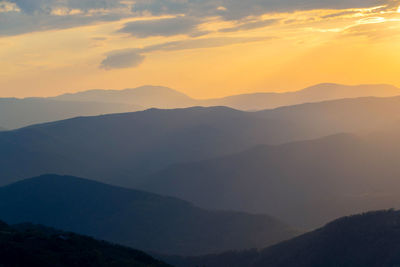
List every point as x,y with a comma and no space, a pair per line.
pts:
18,113
123,149
35,245
369,240
306,183
134,218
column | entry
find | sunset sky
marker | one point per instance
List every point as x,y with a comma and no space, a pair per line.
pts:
204,48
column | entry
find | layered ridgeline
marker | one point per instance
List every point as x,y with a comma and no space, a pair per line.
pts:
305,183
137,219
124,148
163,97
368,240
35,245
316,93
17,113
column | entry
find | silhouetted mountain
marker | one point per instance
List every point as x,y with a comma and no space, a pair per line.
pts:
305,183
145,96
368,240
138,219
16,113
317,93
36,245
123,148
163,97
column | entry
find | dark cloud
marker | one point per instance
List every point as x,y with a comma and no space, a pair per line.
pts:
38,15
239,9
130,58
122,59
162,27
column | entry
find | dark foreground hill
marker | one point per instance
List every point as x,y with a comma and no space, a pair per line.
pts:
134,218
367,240
35,245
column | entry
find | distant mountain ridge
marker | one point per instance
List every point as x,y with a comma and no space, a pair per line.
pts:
135,218
316,93
144,96
17,113
369,240
22,112
164,97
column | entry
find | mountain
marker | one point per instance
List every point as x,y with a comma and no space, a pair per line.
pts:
16,113
145,96
163,97
134,218
2,129
316,93
123,149
35,245
369,240
305,183
23,112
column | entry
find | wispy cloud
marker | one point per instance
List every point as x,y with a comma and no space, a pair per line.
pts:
129,58
163,27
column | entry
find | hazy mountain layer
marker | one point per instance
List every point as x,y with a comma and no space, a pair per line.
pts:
145,96
123,148
35,245
134,218
317,93
368,240
16,113
163,97
305,183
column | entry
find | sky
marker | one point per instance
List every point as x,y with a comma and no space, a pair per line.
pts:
204,48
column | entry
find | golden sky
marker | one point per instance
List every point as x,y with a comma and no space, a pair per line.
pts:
202,49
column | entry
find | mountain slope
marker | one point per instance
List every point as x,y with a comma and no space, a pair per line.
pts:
123,148
34,245
368,240
138,219
16,113
145,96
305,183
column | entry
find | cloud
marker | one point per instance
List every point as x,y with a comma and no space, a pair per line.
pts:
250,25
120,59
129,58
41,15
378,31
162,27
239,9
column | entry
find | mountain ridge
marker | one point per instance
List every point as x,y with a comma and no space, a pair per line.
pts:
134,218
